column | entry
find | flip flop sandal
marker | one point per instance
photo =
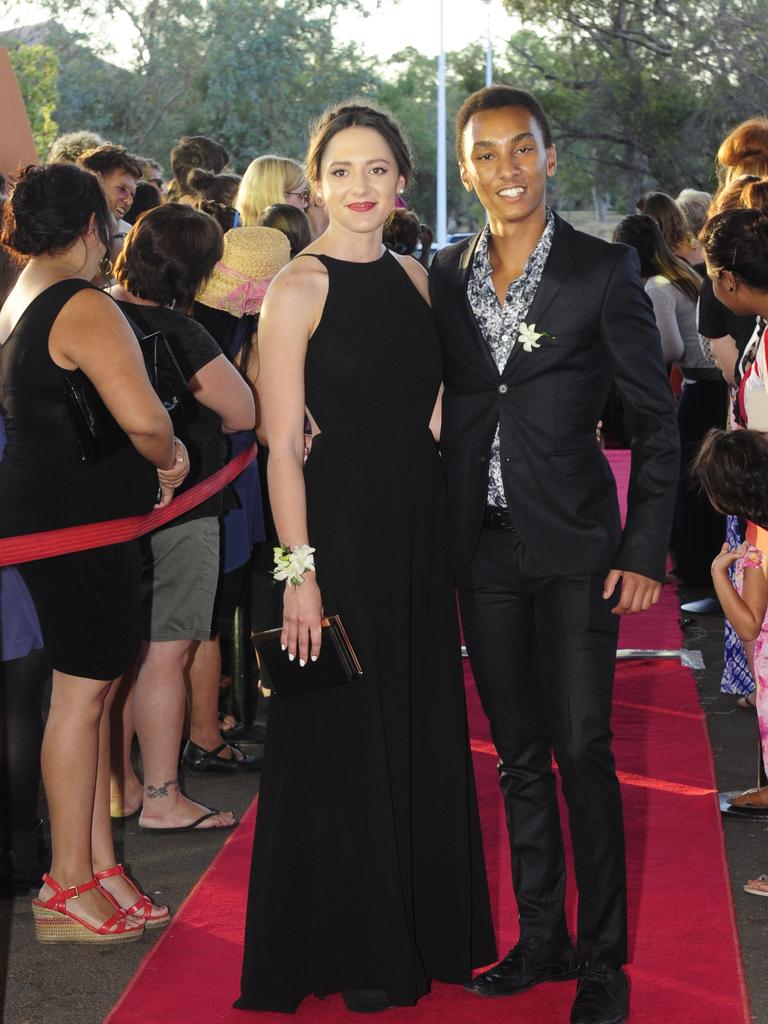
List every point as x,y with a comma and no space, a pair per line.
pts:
192,827
747,802
757,886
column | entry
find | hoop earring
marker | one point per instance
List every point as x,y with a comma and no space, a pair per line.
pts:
106,266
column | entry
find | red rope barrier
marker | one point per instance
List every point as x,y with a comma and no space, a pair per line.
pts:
30,547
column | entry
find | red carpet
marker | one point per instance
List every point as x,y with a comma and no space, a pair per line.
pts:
685,963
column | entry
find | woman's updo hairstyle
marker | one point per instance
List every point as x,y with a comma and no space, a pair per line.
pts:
754,194
352,114
219,188
50,207
729,196
744,150
738,241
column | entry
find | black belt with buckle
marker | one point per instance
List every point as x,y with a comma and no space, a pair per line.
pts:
498,518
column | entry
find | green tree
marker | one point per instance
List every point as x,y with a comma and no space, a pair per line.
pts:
641,92
269,68
37,70
248,72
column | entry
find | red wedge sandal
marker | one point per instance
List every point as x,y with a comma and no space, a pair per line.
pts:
54,923
143,907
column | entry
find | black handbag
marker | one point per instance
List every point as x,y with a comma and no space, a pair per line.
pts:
97,432
163,369
337,663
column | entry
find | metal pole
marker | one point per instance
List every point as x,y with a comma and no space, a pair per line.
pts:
488,49
441,170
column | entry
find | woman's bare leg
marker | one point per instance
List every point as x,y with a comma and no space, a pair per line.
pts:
158,703
125,786
70,757
204,675
102,845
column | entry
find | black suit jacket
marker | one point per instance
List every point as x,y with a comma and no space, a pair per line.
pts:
559,488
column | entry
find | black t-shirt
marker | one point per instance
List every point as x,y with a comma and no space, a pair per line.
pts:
193,348
716,320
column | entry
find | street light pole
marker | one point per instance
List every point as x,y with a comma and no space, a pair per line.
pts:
488,48
442,193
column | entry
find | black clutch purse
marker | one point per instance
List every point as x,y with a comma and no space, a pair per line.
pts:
337,664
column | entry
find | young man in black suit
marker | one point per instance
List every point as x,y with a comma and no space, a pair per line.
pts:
536,320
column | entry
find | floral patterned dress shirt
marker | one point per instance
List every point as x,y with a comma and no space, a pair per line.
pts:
500,324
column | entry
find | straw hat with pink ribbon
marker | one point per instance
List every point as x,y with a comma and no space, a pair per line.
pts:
251,258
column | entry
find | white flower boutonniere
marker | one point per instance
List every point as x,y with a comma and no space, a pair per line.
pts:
529,337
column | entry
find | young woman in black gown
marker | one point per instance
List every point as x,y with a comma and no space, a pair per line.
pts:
368,875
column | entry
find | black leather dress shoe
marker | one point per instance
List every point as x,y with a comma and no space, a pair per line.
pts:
529,963
602,996
199,760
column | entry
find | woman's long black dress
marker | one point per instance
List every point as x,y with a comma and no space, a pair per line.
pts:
367,868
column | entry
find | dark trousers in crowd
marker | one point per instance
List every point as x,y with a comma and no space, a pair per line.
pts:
698,532
543,650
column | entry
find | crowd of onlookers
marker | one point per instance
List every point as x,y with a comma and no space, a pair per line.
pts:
188,259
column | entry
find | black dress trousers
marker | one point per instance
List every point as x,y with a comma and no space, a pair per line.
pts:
543,651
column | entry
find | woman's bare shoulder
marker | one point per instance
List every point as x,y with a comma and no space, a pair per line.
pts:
304,272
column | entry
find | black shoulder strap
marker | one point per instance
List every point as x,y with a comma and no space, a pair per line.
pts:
137,320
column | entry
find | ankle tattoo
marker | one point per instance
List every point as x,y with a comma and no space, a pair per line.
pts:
155,791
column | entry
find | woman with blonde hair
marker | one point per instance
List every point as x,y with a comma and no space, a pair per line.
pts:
268,180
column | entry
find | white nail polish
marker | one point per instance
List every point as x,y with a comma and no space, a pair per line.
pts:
302,663
314,657
291,657
283,647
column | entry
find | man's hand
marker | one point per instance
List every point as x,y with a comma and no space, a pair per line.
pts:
638,592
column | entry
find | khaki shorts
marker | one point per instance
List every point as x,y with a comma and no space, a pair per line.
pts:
180,574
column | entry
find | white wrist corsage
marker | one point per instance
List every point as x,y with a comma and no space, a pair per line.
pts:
529,337
292,563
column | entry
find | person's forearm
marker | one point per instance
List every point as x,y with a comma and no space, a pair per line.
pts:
735,608
287,495
156,444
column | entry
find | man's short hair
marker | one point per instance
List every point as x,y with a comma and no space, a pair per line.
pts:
495,97
104,160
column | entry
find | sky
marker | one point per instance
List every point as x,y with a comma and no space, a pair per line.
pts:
417,23
396,24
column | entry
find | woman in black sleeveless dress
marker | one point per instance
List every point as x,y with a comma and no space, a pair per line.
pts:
367,875
54,325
